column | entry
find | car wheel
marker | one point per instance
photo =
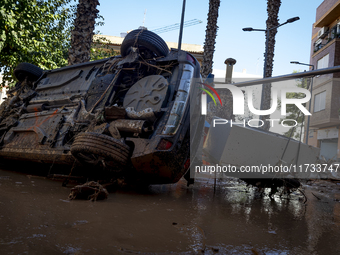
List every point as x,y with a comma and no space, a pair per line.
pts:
23,70
149,44
100,150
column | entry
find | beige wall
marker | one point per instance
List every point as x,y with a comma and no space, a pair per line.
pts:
114,43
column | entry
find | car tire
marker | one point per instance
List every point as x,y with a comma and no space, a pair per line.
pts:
23,70
98,149
146,41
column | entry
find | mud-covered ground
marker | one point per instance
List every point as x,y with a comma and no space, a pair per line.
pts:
37,218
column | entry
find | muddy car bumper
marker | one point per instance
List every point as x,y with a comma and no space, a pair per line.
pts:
160,166
38,155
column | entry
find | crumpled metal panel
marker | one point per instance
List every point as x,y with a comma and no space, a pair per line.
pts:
244,146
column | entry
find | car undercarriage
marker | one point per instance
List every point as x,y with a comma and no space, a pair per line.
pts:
122,115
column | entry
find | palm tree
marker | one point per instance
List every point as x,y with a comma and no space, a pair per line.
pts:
273,7
225,111
210,38
82,34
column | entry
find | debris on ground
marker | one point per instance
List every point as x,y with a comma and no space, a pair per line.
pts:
287,184
90,190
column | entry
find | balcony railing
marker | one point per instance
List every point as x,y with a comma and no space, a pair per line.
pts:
331,34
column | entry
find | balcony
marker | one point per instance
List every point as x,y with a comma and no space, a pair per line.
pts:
327,37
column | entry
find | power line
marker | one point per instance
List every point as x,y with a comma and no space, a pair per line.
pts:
176,26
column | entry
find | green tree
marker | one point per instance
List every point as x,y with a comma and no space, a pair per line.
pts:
294,113
100,47
34,31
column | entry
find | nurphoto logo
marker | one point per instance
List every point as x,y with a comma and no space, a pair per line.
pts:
238,99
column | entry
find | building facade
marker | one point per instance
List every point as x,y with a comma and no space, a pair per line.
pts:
114,43
325,52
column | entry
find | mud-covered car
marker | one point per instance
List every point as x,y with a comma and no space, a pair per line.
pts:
129,114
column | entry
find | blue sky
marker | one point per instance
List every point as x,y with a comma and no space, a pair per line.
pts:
293,41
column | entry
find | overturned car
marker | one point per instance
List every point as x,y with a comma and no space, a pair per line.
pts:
125,115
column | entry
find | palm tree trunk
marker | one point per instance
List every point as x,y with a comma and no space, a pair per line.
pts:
82,34
225,111
273,7
210,38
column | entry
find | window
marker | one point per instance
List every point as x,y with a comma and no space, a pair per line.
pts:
320,102
323,62
317,45
333,33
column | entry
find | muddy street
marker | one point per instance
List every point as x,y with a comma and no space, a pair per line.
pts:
37,218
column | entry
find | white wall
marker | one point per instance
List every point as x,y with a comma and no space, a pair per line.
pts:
2,91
